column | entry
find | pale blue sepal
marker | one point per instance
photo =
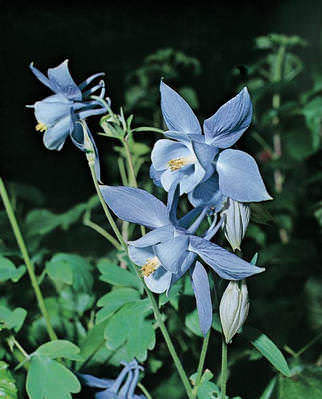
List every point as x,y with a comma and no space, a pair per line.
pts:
159,281
227,265
225,127
239,177
176,111
136,206
61,78
171,252
154,237
208,194
200,285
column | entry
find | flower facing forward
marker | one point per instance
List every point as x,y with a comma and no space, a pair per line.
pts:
170,249
123,387
58,114
206,168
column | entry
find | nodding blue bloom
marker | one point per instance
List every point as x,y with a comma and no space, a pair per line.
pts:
193,158
123,387
58,114
171,248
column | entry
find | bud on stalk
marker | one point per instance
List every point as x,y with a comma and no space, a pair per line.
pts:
236,218
233,308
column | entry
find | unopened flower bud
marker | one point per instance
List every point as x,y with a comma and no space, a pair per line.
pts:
233,308
236,218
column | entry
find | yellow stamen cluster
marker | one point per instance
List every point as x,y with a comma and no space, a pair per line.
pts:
176,164
41,127
150,266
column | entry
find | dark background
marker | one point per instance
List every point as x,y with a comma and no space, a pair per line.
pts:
115,38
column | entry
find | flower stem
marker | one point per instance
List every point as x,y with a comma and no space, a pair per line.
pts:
201,363
144,390
223,378
105,208
26,257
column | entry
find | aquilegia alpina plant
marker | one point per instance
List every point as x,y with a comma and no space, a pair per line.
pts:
180,249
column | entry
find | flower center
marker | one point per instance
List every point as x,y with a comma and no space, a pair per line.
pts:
178,163
41,127
150,266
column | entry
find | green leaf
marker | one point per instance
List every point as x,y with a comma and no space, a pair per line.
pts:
267,394
192,322
306,384
267,348
115,275
8,270
114,300
77,271
12,319
59,348
48,379
129,327
206,388
8,389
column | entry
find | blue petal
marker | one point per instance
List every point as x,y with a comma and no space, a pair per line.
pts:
63,82
50,112
54,138
200,285
159,281
176,112
136,206
139,256
189,217
165,150
154,237
155,175
169,177
87,81
226,126
187,262
207,193
239,177
205,155
227,265
189,182
43,79
172,203
184,137
95,382
171,252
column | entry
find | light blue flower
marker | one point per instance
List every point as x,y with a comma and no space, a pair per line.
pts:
123,387
170,249
58,114
193,158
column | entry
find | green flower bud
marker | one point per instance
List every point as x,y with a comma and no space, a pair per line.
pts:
236,219
233,308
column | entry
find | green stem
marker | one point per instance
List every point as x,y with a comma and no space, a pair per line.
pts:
25,255
201,363
102,232
223,378
132,171
308,345
147,129
105,208
144,390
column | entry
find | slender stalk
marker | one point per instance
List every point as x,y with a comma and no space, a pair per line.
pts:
105,208
201,363
144,390
102,232
132,176
26,257
223,379
309,344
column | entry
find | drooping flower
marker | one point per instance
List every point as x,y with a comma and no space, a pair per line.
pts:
233,308
195,159
58,114
123,387
171,248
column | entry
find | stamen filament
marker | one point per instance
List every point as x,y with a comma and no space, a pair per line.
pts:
150,266
178,163
41,127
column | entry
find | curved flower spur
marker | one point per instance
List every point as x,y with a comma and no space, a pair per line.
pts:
123,387
171,248
59,115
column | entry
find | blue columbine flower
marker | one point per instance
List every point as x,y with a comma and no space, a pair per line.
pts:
171,248
123,387
202,161
58,114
